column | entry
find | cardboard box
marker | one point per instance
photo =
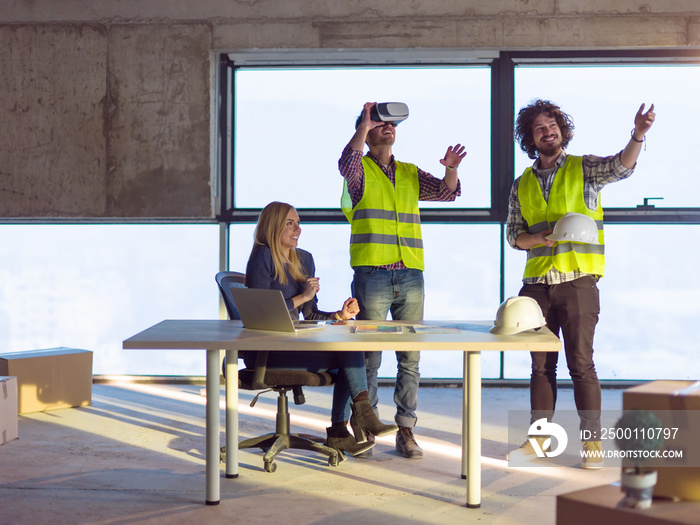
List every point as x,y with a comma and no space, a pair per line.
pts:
677,404
599,505
51,378
8,409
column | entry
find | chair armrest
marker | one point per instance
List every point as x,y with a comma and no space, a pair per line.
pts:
260,371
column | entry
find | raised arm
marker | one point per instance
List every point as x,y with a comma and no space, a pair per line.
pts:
642,123
453,157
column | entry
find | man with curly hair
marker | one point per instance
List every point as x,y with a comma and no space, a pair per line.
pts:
562,276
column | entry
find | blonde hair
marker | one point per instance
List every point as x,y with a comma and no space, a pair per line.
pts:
271,222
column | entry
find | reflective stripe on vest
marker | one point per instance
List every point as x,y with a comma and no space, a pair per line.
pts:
565,196
386,222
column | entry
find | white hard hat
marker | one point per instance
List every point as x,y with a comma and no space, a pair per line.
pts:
575,227
517,314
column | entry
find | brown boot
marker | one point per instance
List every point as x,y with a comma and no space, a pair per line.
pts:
406,444
364,421
342,440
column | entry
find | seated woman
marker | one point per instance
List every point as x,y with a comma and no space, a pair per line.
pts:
275,262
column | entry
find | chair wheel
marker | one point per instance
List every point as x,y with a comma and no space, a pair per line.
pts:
333,461
270,466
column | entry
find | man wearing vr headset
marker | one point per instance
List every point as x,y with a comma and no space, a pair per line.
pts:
380,199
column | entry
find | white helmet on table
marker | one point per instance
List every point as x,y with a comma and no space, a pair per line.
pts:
575,227
517,314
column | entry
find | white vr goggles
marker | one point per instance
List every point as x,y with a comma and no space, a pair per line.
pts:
393,112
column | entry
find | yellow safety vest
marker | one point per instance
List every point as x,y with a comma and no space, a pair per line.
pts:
565,196
386,222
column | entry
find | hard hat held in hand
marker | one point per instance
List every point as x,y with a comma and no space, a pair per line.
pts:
517,314
575,227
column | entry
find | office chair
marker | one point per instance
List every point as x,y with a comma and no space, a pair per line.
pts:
280,381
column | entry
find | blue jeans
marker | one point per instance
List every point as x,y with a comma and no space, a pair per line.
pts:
351,379
378,292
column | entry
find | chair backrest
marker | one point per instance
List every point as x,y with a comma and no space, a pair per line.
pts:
226,281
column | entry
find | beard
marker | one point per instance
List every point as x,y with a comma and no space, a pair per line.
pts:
549,150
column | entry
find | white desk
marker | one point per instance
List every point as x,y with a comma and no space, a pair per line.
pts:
472,338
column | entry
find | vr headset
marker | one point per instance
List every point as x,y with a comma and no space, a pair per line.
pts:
393,112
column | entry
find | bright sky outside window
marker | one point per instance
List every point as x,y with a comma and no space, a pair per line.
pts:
291,126
603,101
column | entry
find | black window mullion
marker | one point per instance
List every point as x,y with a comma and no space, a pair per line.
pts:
502,157
225,136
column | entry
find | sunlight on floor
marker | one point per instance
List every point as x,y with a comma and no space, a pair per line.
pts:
430,445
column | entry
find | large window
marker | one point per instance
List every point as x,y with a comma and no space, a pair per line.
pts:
286,143
603,101
92,286
292,124
648,325
649,322
642,317
282,131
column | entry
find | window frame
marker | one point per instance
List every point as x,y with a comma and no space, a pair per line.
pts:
642,214
229,213
502,65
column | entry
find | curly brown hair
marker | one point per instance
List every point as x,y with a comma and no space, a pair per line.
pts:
527,115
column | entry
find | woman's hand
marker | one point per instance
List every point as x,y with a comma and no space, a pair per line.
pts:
350,309
311,289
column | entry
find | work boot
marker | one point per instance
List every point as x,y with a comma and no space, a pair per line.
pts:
526,452
364,421
340,439
406,444
592,457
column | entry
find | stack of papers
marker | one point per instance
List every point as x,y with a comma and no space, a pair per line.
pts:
378,329
436,330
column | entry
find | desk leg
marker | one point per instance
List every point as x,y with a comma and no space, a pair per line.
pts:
212,427
465,415
472,405
232,413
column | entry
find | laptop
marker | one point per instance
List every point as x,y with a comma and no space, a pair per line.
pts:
262,309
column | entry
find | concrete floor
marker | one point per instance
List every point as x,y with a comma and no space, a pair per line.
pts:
137,455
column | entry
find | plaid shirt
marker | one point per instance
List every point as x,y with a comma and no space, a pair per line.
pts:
597,172
430,188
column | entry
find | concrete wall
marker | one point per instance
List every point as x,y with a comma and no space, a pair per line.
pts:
106,106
